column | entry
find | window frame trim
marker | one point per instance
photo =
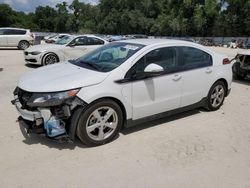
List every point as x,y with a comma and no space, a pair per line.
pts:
164,73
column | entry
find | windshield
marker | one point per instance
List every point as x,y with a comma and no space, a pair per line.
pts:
64,40
108,57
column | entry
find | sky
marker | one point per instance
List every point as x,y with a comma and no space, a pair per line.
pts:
30,5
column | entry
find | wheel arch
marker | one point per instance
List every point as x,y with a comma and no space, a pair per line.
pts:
121,105
23,40
79,109
225,82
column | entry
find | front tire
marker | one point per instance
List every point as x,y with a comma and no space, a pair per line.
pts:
216,96
23,45
100,123
49,59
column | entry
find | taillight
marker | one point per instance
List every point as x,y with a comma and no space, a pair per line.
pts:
226,61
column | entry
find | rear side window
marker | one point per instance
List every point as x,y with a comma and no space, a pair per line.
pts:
97,41
93,41
195,58
14,32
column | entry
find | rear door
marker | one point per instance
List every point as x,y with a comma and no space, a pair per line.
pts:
197,74
14,36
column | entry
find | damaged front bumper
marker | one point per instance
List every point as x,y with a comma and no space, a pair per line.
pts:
54,120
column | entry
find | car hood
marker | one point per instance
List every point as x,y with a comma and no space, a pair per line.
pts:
60,77
44,47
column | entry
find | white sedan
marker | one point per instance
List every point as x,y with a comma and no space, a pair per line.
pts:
69,47
121,84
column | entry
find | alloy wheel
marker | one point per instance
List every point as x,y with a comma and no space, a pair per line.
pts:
217,96
102,123
50,59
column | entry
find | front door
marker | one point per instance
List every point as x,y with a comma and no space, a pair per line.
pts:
3,38
80,46
160,93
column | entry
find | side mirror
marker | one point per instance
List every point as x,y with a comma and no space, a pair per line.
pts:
153,69
71,44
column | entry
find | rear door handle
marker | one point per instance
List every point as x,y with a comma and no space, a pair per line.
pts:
208,70
177,77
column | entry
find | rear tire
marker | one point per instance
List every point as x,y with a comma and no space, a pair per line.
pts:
100,123
216,96
23,45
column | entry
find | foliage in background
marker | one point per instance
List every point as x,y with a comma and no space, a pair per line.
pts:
151,17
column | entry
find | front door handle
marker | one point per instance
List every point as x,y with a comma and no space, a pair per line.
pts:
177,77
208,70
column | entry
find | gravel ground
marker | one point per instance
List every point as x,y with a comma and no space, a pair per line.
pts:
197,149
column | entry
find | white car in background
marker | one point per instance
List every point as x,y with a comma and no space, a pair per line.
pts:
69,47
121,84
55,37
16,37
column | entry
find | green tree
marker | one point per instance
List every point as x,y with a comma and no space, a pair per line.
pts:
5,15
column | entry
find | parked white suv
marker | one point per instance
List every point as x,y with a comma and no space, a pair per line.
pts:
69,47
15,37
121,84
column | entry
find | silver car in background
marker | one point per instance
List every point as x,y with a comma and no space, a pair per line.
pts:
69,47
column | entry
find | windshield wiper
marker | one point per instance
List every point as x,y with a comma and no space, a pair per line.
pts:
93,65
72,61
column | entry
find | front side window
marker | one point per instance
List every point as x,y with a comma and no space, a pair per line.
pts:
64,40
164,57
195,58
80,41
108,57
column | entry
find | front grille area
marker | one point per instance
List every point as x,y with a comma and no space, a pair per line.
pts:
31,60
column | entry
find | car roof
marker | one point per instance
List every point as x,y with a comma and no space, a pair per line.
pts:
13,28
148,42
89,35
245,52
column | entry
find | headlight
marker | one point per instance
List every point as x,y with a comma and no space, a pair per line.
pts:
51,99
35,53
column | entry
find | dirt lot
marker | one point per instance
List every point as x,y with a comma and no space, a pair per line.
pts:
197,149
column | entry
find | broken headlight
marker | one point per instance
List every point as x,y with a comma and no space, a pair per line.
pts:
51,99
